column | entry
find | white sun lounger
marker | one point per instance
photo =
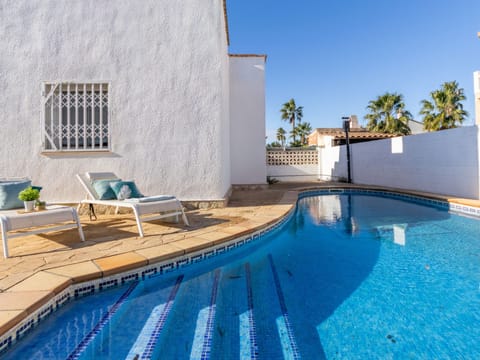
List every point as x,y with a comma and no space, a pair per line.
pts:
55,215
168,207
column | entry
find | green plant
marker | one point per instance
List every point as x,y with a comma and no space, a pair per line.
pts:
388,115
445,111
271,180
29,194
290,112
40,203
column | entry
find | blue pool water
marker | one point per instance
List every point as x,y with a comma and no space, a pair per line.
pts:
350,276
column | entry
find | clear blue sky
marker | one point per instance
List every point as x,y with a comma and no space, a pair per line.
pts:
334,56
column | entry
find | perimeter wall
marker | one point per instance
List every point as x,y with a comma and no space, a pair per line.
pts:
444,162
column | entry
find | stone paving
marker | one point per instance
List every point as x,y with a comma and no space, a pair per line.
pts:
41,266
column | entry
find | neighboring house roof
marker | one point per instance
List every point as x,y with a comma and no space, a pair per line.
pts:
416,127
339,133
249,55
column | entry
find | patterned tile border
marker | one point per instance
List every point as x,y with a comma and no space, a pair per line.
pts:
423,200
283,306
77,352
83,289
207,338
155,335
148,271
252,331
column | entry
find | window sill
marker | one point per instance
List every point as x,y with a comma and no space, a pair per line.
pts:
76,153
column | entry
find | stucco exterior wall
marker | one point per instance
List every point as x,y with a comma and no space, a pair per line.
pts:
167,65
444,162
293,173
247,114
476,89
333,163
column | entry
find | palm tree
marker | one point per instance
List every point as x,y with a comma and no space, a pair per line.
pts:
294,133
290,112
303,130
446,110
281,136
388,115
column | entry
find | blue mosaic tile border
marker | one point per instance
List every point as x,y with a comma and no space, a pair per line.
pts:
5,344
149,271
207,339
251,321
63,299
283,306
441,204
152,341
25,328
146,272
77,352
87,289
44,313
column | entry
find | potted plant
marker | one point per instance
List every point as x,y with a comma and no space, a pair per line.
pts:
29,196
41,205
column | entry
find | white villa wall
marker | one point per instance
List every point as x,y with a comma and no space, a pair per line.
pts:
333,163
476,89
293,164
247,114
167,65
293,173
443,162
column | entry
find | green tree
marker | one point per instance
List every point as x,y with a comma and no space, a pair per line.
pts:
281,136
290,112
445,111
294,133
388,115
274,144
303,130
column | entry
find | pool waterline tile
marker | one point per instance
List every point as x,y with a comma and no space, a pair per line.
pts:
132,261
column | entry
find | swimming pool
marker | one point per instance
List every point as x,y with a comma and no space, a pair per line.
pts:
349,276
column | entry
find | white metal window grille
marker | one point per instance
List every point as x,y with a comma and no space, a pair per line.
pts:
76,116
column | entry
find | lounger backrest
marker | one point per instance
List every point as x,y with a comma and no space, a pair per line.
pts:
87,179
92,176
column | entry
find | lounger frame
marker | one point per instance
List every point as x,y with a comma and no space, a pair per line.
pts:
161,209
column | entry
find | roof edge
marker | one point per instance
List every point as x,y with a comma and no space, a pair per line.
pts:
225,16
249,55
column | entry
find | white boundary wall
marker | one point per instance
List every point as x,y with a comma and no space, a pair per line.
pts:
292,165
442,162
247,120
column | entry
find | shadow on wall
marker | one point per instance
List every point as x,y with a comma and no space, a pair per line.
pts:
334,166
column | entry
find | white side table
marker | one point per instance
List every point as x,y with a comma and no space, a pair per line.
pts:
55,215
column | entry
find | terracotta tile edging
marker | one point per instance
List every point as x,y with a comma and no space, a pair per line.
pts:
103,270
107,267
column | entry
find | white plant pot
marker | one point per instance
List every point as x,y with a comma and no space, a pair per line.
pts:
29,205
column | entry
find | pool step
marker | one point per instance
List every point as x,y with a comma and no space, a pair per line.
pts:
221,314
215,315
151,331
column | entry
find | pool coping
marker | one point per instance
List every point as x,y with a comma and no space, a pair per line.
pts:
24,305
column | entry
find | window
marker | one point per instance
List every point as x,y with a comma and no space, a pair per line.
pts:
76,117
